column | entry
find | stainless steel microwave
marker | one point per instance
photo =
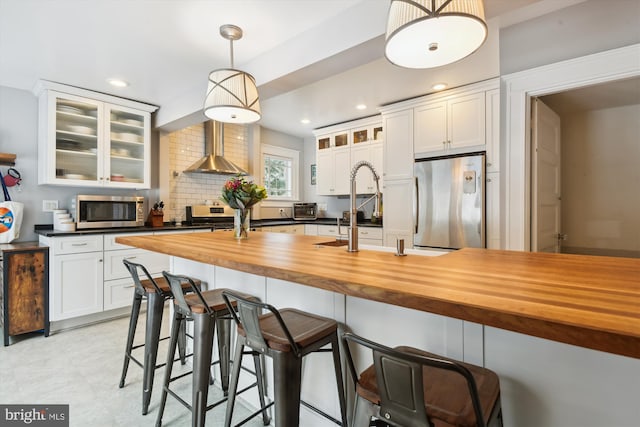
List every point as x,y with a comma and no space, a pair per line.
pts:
303,211
109,211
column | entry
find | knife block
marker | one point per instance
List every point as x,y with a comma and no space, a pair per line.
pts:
155,218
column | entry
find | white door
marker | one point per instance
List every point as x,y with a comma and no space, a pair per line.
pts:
545,179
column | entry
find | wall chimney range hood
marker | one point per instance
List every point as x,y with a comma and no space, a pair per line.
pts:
213,160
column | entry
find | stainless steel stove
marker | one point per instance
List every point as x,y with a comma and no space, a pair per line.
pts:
217,215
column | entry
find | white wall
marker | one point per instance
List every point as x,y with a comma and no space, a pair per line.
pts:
588,27
19,135
600,180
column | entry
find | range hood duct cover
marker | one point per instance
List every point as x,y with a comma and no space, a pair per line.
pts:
213,160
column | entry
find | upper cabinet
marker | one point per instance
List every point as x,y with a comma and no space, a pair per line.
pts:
91,139
452,123
340,147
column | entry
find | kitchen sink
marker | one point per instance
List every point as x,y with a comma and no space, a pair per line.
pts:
333,243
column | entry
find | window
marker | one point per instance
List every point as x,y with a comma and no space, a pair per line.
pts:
280,172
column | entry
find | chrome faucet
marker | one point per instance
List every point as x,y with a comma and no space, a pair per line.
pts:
353,218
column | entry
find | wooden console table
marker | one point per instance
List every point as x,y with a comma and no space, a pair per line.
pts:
24,292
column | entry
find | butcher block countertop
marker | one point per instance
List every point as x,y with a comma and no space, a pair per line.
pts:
588,301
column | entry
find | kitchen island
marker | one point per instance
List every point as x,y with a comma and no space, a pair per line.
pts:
561,331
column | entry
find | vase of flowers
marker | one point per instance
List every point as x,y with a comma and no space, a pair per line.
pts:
241,195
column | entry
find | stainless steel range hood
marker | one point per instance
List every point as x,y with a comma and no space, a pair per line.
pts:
213,160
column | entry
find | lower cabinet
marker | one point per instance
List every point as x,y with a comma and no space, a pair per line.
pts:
75,276
87,276
118,285
289,229
398,213
76,285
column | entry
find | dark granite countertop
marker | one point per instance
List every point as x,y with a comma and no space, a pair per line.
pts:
48,231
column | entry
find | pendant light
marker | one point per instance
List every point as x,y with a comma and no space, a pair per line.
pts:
232,95
432,33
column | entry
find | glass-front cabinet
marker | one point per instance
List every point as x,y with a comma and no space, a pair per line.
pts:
90,142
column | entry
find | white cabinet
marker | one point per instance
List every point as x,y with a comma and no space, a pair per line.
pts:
398,212
333,231
118,284
493,130
371,236
452,123
492,220
92,140
340,147
332,171
398,146
310,230
289,229
87,275
372,153
75,276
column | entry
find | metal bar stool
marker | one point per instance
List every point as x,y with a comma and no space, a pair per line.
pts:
156,292
286,336
208,311
407,387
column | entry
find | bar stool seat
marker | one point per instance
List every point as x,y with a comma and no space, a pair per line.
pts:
305,329
286,336
210,312
156,291
406,386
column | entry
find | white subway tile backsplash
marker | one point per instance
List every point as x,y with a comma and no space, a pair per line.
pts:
186,146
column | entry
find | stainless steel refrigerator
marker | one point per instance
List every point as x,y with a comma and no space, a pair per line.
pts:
449,202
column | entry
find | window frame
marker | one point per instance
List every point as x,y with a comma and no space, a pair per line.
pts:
288,153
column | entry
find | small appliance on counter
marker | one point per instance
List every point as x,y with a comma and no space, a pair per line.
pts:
109,211
305,211
346,216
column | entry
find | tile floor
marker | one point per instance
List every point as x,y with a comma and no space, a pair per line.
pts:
81,367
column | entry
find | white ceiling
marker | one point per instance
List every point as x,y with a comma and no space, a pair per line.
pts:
311,59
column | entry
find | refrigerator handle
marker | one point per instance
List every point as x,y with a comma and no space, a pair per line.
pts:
416,202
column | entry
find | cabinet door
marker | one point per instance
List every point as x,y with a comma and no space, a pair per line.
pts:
341,171
324,173
398,145
92,143
77,285
398,219
430,127
492,111
70,140
376,159
493,210
466,121
310,230
114,268
127,148
364,178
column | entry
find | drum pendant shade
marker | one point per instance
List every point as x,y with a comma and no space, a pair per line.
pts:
232,95
432,33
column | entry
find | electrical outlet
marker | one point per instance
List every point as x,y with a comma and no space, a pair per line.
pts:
49,205
322,207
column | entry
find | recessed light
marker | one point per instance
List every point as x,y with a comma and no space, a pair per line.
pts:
361,107
439,86
117,82
305,121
